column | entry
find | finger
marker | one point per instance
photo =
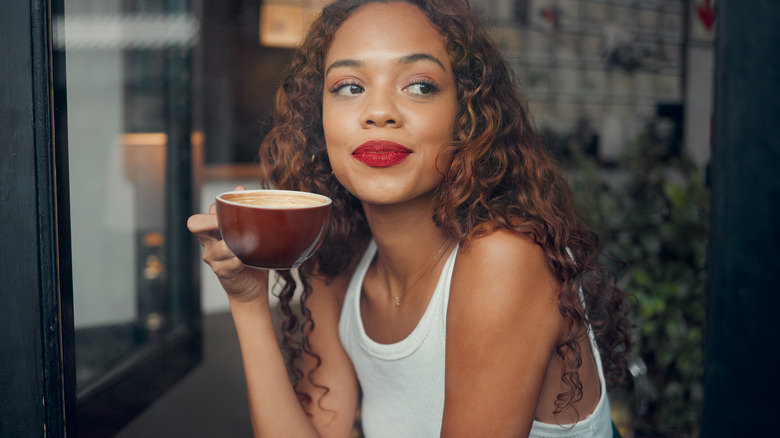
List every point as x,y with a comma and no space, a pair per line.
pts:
222,261
227,269
212,235
217,252
204,226
199,223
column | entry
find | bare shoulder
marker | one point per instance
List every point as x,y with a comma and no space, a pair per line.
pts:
505,257
502,248
506,274
503,324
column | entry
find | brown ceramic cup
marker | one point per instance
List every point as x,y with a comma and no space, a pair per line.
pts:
273,229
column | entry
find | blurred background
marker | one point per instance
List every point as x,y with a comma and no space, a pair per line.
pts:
622,91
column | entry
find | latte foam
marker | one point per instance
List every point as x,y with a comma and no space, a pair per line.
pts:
275,199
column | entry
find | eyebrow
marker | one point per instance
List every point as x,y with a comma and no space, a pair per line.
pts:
408,59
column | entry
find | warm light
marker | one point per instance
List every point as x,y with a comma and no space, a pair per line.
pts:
144,158
285,25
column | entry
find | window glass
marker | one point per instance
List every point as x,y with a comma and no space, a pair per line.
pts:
124,61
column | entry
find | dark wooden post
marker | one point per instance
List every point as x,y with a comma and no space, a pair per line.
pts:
742,365
36,319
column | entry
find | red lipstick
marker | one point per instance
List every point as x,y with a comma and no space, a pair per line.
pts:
381,153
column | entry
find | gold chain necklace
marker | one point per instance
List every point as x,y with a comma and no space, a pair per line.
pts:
398,298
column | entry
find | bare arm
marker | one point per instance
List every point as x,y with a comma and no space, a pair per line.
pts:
274,406
502,326
334,387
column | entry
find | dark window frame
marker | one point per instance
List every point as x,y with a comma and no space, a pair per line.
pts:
37,364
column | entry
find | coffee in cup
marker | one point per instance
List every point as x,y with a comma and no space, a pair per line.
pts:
273,229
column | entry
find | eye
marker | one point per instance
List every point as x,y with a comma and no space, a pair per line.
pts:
422,88
346,89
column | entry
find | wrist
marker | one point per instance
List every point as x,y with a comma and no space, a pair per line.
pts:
248,301
247,286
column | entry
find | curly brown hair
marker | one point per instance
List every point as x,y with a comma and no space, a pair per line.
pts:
500,177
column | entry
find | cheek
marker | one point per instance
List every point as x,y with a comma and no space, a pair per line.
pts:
326,122
336,157
441,120
333,127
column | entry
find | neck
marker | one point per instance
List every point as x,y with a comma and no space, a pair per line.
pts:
407,241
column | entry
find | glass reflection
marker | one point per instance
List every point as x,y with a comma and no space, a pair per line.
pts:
118,60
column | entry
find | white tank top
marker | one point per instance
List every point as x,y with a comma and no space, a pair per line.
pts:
403,383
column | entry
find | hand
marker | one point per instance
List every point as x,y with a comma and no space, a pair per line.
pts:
241,283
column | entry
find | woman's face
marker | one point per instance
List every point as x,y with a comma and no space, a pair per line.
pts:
389,104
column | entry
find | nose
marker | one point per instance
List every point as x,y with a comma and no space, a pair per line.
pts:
380,111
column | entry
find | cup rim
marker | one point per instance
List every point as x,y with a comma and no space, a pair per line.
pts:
327,200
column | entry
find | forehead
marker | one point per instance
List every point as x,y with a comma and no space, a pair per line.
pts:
393,29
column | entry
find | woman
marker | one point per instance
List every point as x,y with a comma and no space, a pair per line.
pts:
450,296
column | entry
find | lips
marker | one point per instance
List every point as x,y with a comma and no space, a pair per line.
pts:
381,153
